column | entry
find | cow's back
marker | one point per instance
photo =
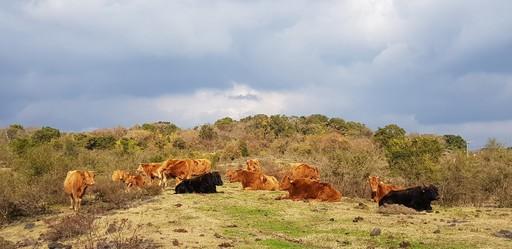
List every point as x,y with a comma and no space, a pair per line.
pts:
200,166
73,181
305,171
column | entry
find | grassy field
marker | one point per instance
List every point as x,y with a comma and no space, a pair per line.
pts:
253,219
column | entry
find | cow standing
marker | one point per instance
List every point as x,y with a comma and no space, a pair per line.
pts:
75,184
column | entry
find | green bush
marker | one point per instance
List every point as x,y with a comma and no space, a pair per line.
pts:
206,132
100,143
45,135
455,142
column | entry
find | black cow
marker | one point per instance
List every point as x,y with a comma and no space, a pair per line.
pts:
418,198
201,184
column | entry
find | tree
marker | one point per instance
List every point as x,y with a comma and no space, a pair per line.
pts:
224,123
206,132
455,142
385,136
45,135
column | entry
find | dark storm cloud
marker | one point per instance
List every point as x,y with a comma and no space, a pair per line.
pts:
437,66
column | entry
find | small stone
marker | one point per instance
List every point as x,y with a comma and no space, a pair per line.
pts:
57,245
175,242
357,219
29,225
331,219
218,236
225,244
437,231
233,225
504,234
180,230
375,231
405,244
178,205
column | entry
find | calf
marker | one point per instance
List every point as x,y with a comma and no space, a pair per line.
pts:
418,198
303,188
205,183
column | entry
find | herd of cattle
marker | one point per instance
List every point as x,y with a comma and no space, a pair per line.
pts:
301,181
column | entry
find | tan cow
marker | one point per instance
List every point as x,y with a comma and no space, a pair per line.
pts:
200,167
135,180
175,168
120,175
302,170
252,180
253,165
380,189
75,184
303,188
149,170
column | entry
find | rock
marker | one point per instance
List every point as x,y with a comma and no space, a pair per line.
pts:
405,244
437,231
331,219
233,225
225,245
257,239
175,242
29,225
357,219
178,205
361,206
218,236
104,245
180,230
57,245
25,243
504,234
375,231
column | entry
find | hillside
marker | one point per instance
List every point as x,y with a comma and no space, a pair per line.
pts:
253,219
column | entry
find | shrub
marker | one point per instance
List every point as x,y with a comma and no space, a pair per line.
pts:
224,124
179,143
69,227
45,135
100,143
206,132
455,142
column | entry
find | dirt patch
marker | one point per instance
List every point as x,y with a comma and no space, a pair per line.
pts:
395,209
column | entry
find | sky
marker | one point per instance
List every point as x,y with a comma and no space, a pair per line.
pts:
441,67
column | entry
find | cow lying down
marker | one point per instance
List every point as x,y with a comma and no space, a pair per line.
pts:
205,183
418,198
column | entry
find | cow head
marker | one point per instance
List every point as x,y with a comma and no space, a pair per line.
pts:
217,180
374,184
89,177
253,165
286,183
234,175
430,192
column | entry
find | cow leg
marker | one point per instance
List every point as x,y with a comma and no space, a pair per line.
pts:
72,202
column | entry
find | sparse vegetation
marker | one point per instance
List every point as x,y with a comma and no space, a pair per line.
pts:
347,152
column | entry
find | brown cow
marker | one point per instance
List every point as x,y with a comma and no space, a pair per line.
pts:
182,169
149,169
75,184
252,180
303,188
380,189
120,175
135,180
200,167
253,165
175,168
302,170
